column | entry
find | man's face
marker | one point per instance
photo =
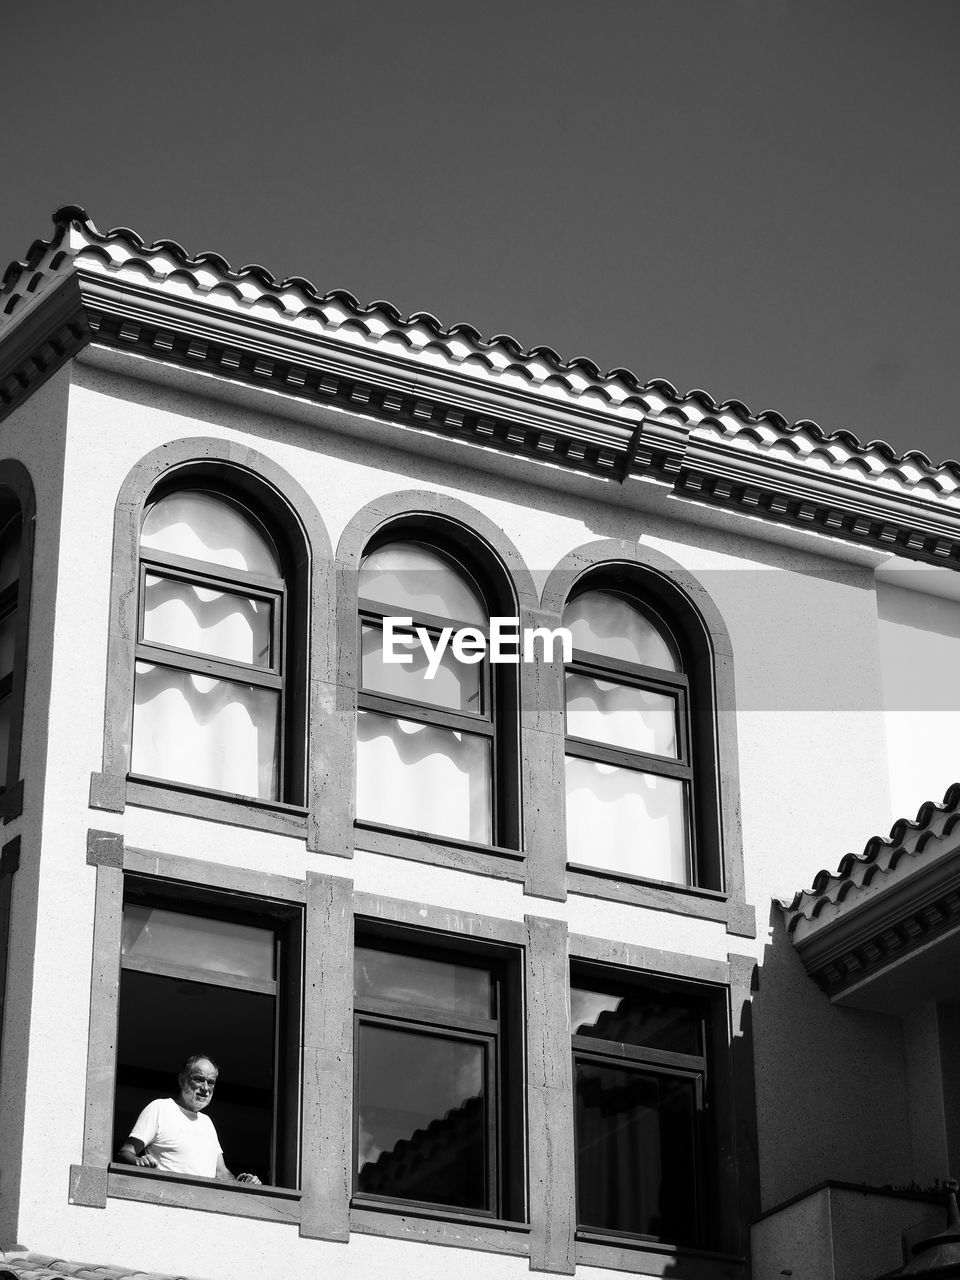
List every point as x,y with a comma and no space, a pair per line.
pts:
197,1085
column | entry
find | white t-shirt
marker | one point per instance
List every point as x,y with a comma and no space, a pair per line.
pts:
180,1141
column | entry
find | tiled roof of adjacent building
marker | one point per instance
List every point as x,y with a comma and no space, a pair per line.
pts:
895,900
884,861
36,1266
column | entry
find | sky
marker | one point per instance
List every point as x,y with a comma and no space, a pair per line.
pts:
759,198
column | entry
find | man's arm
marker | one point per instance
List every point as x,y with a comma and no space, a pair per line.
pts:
224,1174
134,1152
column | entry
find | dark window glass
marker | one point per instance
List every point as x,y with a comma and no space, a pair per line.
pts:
416,979
640,1076
639,1016
203,977
10,540
422,1117
636,1152
437,1096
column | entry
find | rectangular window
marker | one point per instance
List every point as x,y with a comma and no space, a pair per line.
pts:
437,1090
640,1059
217,975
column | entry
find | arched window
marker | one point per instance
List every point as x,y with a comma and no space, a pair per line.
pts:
428,758
629,763
212,657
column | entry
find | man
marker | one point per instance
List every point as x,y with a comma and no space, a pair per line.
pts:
171,1133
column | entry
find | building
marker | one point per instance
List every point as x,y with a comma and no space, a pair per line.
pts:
490,954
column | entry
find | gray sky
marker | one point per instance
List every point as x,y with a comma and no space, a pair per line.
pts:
755,197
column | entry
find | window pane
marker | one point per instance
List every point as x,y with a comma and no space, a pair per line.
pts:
409,579
612,627
203,527
636,1152
8,637
205,732
435,984
221,946
10,537
622,715
6,715
454,684
648,1018
201,619
624,820
423,778
422,1118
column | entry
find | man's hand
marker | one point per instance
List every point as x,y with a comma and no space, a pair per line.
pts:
134,1152
249,1177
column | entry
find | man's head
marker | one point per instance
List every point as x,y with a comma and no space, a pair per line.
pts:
197,1082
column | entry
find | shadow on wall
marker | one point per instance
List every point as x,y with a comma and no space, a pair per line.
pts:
821,1071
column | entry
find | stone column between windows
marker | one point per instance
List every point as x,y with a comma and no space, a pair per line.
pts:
88,1182
542,768
550,1098
327,1059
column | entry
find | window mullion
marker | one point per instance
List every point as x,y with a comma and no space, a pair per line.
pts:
212,668
640,1055
637,761
219,577
424,713
422,1016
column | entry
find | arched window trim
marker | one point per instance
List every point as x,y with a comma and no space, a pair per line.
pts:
450,525
663,583
291,518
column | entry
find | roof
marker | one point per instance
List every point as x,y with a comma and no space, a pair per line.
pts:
37,1266
254,287
885,860
244,324
884,904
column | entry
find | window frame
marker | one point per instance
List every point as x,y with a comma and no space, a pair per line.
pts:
650,679
256,478
502,1037
700,1069
286,923
254,586
498,698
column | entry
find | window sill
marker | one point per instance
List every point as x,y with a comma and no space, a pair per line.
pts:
651,1258
112,793
478,859
657,895
242,1199
445,1227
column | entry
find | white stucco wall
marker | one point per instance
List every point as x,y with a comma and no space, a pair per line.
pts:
33,435
919,630
814,783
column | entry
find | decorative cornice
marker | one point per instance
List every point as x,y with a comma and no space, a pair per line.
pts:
879,906
156,300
